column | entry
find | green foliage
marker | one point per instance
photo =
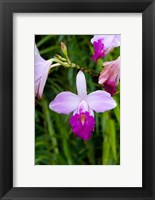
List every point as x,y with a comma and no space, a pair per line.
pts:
55,144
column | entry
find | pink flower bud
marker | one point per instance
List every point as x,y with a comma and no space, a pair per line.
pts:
110,75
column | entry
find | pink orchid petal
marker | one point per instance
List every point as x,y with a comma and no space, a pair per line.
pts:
107,41
81,84
100,101
96,38
83,106
37,83
110,75
37,56
65,102
91,112
41,70
44,78
37,73
116,41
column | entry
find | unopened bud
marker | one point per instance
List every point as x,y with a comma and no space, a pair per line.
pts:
60,58
65,64
64,50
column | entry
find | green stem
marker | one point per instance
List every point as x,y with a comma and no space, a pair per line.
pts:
73,65
55,65
68,64
50,126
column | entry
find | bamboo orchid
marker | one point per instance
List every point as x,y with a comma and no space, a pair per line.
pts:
83,106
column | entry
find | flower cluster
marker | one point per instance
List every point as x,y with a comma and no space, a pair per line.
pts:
82,105
110,75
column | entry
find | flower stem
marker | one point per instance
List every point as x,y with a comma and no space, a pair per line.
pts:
55,65
69,64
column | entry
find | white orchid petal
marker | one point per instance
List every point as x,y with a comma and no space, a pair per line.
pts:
81,84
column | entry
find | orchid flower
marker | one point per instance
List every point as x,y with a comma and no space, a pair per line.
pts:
41,70
110,75
103,44
82,106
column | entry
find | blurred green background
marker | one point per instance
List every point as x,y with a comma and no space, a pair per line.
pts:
55,144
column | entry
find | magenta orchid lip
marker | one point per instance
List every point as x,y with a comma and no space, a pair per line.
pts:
98,50
82,125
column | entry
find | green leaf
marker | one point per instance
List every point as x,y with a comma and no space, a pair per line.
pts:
106,150
117,113
109,142
49,125
117,109
106,143
43,40
112,138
